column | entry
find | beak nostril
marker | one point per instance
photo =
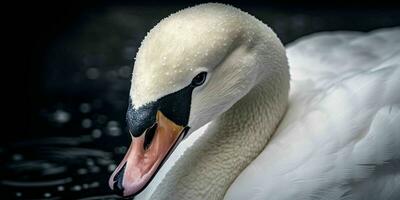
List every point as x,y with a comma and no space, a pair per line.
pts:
149,135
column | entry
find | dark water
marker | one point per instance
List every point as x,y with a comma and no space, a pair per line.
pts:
65,167
78,89
58,168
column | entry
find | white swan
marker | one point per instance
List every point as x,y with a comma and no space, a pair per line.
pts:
336,135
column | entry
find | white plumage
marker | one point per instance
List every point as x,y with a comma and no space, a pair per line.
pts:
340,138
340,135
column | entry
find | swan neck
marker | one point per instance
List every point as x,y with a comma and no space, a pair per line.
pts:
232,141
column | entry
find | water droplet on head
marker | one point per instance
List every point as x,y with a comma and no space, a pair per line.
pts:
18,194
47,195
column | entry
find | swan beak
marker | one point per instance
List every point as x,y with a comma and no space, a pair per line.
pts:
144,159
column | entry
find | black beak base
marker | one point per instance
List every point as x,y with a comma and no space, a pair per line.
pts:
175,106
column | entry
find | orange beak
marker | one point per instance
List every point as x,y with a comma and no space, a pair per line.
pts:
142,161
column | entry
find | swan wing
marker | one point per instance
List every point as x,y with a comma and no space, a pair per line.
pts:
340,137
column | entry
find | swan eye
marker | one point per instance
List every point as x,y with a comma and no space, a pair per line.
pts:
199,79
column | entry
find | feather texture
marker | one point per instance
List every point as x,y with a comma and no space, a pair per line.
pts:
340,138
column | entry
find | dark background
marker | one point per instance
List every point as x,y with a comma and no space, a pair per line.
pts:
67,81
52,43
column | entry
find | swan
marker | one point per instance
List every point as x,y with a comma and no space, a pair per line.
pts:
215,112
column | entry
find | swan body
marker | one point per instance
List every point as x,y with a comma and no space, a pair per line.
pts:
335,135
340,137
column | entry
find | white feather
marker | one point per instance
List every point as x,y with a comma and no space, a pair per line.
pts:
340,138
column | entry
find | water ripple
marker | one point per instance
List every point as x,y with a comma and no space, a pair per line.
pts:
56,168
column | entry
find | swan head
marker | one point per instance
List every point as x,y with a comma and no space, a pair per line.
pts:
191,67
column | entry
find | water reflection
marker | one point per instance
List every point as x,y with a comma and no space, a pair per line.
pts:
58,168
